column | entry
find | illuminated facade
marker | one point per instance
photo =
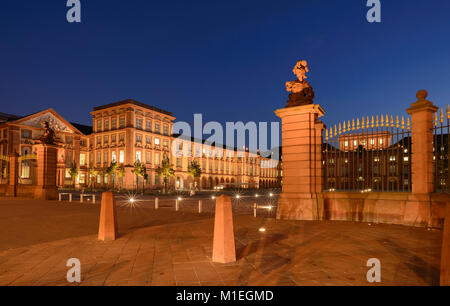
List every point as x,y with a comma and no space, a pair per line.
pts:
126,132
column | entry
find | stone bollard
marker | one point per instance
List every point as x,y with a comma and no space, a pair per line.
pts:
70,197
177,204
200,206
224,249
59,197
445,255
255,206
93,199
156,203
107,229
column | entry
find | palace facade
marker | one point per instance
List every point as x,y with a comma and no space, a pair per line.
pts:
127,132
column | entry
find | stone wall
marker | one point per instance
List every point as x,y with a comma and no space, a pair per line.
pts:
375,207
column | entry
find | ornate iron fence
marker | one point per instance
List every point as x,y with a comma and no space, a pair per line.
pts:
441,131
369,155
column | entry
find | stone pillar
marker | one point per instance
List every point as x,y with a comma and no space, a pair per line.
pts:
11,189
422,144
108,229
224,249
46,172
445,254
302,140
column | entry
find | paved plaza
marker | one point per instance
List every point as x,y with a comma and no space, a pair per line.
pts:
166,247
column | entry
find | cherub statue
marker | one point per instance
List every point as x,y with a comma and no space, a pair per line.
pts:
49,135
301,91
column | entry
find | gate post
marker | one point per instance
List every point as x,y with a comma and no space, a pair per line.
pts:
422,139
302,139
11,190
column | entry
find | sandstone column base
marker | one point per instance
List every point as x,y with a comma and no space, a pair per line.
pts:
224,249
445,255
46,192
300,206
108,229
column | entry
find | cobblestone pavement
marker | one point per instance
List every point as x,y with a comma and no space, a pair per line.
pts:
165,247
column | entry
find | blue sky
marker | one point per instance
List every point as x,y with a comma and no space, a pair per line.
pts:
228,60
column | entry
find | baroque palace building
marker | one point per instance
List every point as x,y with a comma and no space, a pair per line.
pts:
126,132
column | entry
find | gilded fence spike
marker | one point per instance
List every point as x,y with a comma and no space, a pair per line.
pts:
348,126
362,124
408,124
403,123
392,121
442,115
387,121
372,123
448,112
335,131
367,122
326,134
357,124
397,123
344,130
353,124
378,122
382,121
331,132
435,119
340,129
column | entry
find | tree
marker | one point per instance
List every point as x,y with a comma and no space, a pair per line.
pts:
140,171
165,171
195,171
111,171
73,171
92,176
120,173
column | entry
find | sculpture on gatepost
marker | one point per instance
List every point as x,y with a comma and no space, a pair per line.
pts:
301,92
49,135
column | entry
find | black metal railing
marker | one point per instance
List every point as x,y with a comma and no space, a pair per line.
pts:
441,131
369,155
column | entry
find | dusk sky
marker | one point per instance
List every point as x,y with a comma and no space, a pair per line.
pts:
228,60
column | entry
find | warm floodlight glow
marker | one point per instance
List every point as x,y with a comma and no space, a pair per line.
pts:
271,195
132,200
256,195
238,196
213,197
262,229
179,198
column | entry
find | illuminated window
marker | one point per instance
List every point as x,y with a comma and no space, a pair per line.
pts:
148,158
138,156
165,143
372,141
82,159
157,141
346,143
113,156
157,158
139,123
121,156
381,141
355,143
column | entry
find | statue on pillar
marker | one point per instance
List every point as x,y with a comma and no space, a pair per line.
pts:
301,93
49,136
